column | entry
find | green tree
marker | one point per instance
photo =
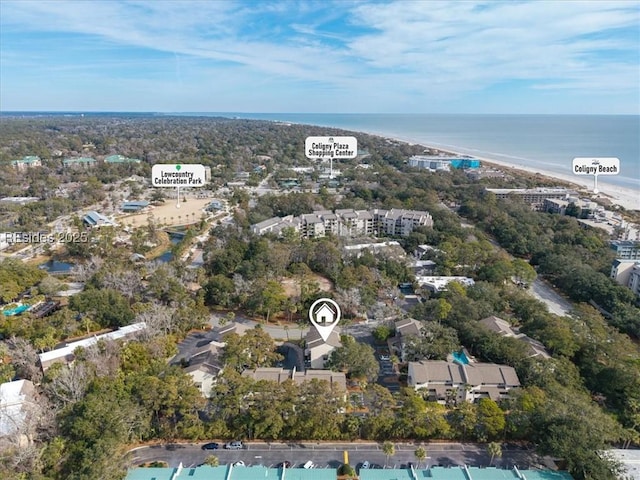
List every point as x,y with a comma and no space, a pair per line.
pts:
494,450
382,333
421,455
357,359
252,350
212,461
389,450
490,418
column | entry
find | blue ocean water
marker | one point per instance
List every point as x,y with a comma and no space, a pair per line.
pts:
548,142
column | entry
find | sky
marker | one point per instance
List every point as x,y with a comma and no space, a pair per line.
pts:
560,57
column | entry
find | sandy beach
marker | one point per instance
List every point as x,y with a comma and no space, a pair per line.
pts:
584,184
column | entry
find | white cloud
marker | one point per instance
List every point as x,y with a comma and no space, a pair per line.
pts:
406,52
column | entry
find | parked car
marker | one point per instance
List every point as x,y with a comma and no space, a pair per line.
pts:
285,465
385,357
309,464
239,463
365,465
237,445
211,446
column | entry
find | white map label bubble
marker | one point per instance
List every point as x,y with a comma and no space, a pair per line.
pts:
596,166
324,314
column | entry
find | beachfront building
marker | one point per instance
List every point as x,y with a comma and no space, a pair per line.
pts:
534,197
626,249
634,279
559,206
348,223
79,162
120,159
439,163
442,380
27,162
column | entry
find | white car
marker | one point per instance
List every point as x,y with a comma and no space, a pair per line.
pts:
365,465
385,357
309,464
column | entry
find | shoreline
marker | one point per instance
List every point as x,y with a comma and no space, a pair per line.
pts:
627,198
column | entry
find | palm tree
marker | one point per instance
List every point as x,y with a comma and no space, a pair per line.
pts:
389,450
212,461
421,455
494,450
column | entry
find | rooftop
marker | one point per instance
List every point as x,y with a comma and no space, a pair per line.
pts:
13,395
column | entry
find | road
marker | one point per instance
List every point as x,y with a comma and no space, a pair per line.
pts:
554,302
330,455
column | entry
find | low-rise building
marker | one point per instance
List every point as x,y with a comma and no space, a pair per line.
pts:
15,398
459,382
634,279
95,219
317,351
626,249
405,329
18,200
120,159
350,223
431,163
535,197
204,365
66,353
134,206
337,380
439,284
79,162
27,162
504,329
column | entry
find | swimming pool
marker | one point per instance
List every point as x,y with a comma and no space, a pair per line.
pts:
15,311
460,357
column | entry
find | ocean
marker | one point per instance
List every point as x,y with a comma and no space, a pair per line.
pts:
549,142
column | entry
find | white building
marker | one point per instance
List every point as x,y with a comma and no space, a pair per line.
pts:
433,164
66,354
14,402
439,284
449,380
317,351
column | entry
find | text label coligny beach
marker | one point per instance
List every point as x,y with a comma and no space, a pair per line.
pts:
596,166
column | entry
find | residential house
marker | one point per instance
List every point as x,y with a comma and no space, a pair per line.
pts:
504,328
337,380
317,351
204,365
439,284
79,162
405,329
444,381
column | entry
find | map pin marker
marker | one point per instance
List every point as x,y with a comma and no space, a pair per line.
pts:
324,314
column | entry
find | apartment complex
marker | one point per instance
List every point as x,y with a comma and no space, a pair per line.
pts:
27,162
626,249
462,382
532,196
337,380
348,223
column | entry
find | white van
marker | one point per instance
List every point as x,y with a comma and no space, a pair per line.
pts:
309,464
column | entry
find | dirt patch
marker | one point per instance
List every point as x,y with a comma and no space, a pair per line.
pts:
168,214
292,285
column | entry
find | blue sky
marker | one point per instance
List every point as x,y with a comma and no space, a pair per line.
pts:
320,56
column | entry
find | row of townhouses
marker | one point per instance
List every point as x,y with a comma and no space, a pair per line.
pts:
348,223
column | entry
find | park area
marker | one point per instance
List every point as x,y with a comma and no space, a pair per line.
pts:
189,212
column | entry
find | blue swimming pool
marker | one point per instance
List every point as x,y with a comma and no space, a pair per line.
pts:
15,311
460,357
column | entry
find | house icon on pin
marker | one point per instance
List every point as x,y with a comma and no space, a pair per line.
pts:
325,315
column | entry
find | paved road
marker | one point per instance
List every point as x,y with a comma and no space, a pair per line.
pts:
555,303
331,455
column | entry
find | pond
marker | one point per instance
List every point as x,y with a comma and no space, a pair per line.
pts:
55,266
